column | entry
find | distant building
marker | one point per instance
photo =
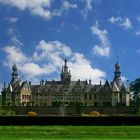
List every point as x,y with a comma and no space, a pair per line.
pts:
65,91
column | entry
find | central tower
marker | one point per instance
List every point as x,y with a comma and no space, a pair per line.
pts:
117,75
65,74
14,75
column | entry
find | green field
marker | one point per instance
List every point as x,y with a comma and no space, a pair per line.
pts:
69,132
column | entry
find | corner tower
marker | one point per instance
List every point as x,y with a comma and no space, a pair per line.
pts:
117,75
65,74
14,75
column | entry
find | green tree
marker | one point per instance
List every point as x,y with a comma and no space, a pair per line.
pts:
135,88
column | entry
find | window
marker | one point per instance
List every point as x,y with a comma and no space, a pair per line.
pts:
95,96
85,96
90,97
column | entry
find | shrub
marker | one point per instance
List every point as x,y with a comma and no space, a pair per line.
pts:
32,113
94,113
7,112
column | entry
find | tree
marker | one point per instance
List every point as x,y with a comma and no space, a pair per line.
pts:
135,88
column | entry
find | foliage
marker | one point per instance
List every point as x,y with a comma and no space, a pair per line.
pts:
56,103
135,86
32,113
75,104
94,113
7,112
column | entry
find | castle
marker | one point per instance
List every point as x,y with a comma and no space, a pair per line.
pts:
65,91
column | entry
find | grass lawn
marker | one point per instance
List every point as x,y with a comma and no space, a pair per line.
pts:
69,132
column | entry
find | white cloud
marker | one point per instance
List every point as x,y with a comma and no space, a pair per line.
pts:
31,4
67,5
104,48
138,51
123,22
81,69
88,7
13,19
138,18
138,33
123,79
40,8
36,70
75,27
101,51
51,51
14,55
10,31
48,58
15,41
36,7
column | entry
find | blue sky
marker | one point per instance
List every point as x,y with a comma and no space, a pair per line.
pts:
38,35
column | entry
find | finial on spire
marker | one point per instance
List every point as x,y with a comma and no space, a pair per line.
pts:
65,61
14,67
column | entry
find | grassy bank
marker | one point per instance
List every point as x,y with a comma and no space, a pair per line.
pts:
67,132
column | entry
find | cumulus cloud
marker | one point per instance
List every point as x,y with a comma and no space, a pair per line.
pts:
123,22
51,51
82,69
103,49
14,55
48,58
40,8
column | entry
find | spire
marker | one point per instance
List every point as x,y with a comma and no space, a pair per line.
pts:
65,66
65,62
65,73
117,74
14,74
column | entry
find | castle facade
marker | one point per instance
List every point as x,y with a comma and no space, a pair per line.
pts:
65,91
